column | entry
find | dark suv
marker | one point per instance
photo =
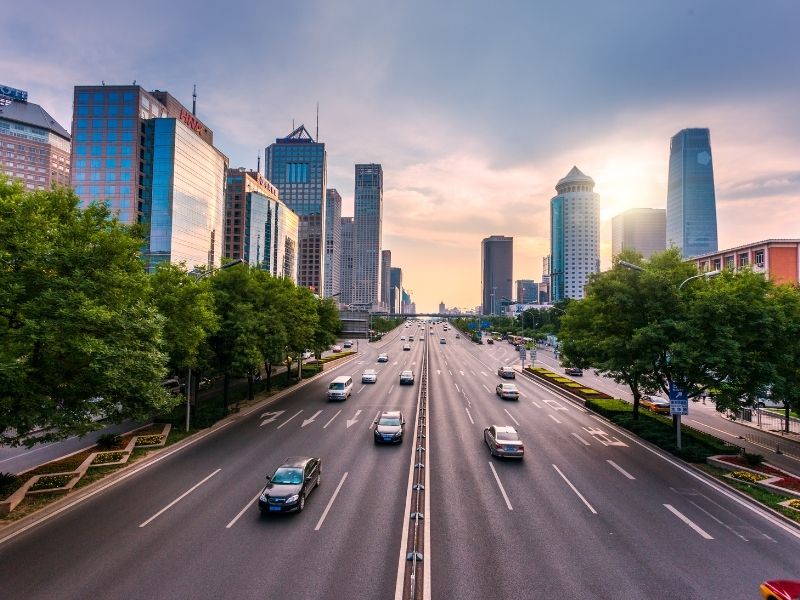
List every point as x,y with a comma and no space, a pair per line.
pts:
290,485
575,371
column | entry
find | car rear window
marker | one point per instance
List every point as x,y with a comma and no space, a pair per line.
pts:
503,436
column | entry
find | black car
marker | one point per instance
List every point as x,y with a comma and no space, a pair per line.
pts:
575,371
290,485
389,427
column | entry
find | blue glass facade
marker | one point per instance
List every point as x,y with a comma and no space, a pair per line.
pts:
297,166
691,202
557,265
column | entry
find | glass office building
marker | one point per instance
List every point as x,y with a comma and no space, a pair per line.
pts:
297,165
368,208
497,268
154,163
691,203
574,235
346,265
333,242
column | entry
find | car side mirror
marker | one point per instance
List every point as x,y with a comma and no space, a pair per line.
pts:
269,479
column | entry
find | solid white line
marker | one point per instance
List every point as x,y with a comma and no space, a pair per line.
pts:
512,417
377,416
332,418
574,489
583,441
241,512
554,419
458,390
714,428
474,373
330,503
360,389
390,390
699,530
536,405
289,419
486,388
181,497
469,415
449,371
620,469
500,485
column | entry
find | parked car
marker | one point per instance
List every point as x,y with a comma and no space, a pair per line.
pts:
172,385
369,376
655,404
503,441
575,371
507,391
407,378
383,357
291,483
308,354
389,427
506,372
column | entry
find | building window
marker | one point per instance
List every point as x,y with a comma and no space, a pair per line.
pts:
758,258
729,264
744,259
717,264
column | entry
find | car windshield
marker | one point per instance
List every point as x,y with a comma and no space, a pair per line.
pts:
286,475
503,436
389,421
336,386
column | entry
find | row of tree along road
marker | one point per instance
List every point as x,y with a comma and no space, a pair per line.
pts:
85,330
650,324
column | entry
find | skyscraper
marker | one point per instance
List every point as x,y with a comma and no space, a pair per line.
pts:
574,235
346,266
154,162
691,203
297,165
333,242
497,268
259,228
36,149
395,290
527,291
640,229
386,267
367,236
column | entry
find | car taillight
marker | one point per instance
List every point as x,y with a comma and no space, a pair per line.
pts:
498,446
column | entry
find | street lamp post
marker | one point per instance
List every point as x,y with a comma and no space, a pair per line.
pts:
198,276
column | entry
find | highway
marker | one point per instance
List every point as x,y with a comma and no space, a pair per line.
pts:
589,513
146,537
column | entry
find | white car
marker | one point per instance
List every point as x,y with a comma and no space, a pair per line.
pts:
407,347
407,378
383,357
507,390
402,338
369,376
442,341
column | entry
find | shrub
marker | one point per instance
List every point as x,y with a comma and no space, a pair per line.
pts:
108,441
752,459
795,504
9,483
748,476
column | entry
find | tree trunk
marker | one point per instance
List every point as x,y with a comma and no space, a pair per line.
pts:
268,367
225,394
636,397
249,386
787,412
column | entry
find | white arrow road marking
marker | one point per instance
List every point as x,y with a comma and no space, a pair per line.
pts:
332,418
438,372
512,417
271,417
462,372
536,405
289,419
311,419
605,439
354,420
555,405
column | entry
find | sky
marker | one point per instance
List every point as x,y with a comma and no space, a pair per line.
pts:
474,109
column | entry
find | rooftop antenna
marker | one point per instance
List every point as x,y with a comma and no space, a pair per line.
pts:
292,124
317,136
258,168
194,100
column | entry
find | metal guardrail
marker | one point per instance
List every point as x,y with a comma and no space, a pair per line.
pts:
413,586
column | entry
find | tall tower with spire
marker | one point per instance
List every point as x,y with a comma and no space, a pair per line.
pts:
574,235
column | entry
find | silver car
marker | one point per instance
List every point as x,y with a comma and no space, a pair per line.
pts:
507,391
503,440
407,378
369,376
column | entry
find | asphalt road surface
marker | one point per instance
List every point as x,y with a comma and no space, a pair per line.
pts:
589,512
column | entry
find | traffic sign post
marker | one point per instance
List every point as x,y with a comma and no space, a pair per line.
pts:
678,406
522,357
533,356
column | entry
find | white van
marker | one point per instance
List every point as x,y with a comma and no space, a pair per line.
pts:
340,388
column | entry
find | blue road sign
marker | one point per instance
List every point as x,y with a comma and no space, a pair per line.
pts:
472,325
485,324
678,400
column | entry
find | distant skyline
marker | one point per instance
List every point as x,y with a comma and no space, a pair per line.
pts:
474,113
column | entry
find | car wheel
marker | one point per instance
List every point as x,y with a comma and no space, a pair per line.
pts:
761,405
302,504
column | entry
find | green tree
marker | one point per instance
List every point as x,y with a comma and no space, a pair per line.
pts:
328,325
78,333
785,345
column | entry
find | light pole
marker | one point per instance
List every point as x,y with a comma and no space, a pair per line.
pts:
674,391
198,276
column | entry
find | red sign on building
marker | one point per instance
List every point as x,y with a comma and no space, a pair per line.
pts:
191,121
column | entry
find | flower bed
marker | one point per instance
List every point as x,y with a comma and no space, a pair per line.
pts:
108,457
48,482
149,440
763,475
565,383
748,476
